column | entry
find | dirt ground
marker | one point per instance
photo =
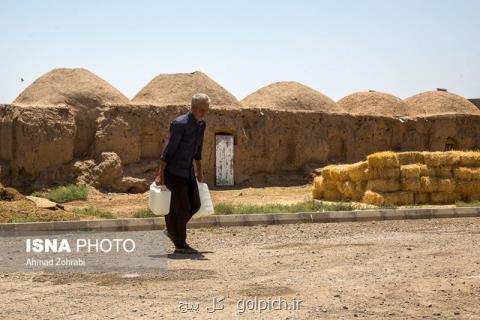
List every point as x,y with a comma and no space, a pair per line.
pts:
391,269
125,204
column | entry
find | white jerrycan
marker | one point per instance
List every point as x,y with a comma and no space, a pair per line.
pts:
159,200
206,208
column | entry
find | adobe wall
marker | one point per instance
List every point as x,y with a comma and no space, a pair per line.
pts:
33,140
37,144
271,141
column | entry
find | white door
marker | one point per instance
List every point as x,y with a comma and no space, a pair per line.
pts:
224,159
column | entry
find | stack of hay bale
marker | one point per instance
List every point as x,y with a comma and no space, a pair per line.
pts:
341,182
403,178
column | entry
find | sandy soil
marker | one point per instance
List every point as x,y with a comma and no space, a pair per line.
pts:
390,269
124,204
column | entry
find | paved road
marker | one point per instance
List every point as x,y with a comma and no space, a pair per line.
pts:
396,269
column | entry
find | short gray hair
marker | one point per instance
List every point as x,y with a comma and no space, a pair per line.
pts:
199,99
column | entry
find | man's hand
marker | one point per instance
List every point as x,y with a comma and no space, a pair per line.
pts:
159,179
199,170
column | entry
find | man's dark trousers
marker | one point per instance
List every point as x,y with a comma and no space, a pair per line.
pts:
184,203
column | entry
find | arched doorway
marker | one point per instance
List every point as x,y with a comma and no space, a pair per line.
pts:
450,144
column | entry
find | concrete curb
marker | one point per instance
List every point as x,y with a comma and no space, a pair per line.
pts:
145,224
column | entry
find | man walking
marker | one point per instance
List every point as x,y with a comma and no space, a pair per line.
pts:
176,170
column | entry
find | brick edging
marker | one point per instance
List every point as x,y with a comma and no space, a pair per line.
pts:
145,224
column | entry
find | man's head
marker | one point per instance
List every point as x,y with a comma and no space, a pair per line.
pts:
200,105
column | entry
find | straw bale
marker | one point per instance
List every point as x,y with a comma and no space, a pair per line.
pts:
411,184
470,159
422,197
330,185
427,170
335,172
382,198
346,188
332,195
383,159
440,158
466,188
467,174
374,198
358,171
410,157
444,197
433,184
384,173
384,185
399,198
318,187
446,185
444,172
410,170
429,184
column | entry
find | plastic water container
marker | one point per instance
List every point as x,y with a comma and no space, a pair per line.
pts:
206,208
159,200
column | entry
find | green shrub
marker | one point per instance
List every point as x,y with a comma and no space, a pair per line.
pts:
467,204
63,194
94,212
144,213
24,219
304,206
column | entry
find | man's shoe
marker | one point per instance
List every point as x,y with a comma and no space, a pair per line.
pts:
186,250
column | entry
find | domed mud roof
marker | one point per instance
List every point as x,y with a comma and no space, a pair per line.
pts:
75,87
290,95
440,102
178,89
374,103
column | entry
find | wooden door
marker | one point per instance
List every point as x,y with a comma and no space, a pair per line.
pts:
224,160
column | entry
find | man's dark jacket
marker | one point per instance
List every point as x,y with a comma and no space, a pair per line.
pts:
184,144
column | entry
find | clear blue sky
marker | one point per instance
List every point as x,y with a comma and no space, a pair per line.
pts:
337,47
